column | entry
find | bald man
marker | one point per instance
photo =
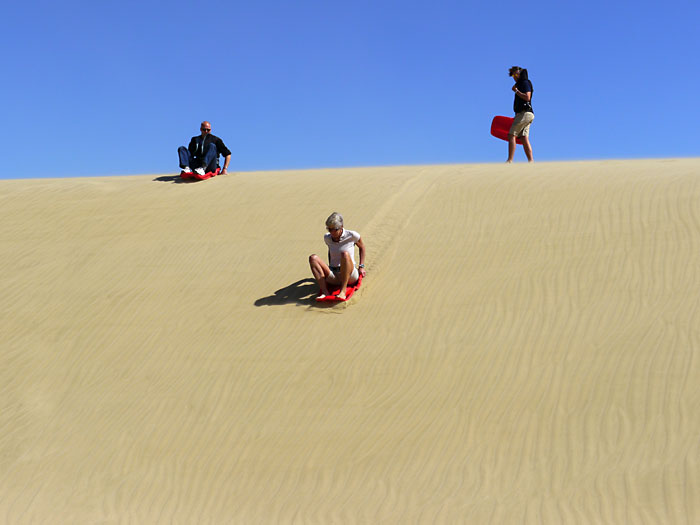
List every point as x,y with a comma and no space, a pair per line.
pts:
203,153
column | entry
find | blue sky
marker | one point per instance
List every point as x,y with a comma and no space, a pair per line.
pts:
114,87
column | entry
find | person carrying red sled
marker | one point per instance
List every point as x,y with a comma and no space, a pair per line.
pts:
524,115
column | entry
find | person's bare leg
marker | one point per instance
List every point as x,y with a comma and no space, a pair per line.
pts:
527,147
346,269
320,271
511,148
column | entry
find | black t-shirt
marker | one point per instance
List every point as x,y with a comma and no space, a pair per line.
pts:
519,105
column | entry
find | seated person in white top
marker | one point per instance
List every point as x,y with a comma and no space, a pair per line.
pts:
341,248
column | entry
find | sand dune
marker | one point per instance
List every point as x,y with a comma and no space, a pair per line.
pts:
525,347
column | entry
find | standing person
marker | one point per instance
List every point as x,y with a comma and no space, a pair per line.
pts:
341,249
522,105
203,152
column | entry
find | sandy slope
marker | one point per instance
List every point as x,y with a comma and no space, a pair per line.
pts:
526,347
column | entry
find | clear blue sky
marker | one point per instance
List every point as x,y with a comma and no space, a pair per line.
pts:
113,87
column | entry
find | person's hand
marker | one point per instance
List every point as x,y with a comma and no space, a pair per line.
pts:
363,272
515,87
224,171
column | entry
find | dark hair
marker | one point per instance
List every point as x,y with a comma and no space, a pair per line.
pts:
516,69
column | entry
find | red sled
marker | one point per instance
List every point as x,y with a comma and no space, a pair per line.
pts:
500,126
197,176
333,295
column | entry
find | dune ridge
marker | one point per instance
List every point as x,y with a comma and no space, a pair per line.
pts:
525,347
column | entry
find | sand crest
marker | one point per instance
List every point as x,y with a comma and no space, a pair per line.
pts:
525,347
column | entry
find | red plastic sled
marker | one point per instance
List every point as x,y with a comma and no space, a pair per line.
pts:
349,291
500,126
193,175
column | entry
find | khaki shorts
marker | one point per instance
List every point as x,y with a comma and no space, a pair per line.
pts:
521,124
332,278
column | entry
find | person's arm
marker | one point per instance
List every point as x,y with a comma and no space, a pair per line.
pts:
361,246
225,152
525,96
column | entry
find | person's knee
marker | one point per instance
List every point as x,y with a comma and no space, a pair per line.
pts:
313,258
211,148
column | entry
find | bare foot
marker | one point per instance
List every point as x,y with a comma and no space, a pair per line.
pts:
321,297
341,296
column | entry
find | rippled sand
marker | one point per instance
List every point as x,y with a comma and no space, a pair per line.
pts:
525,347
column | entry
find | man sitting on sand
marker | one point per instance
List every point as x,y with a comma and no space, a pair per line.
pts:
203,153
341,249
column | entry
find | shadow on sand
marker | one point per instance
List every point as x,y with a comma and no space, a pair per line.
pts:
301,292
175,179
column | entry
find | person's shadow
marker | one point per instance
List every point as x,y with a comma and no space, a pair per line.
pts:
302,292
175,179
